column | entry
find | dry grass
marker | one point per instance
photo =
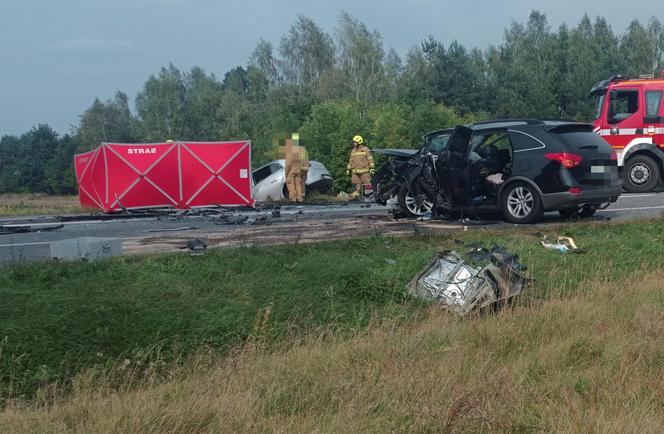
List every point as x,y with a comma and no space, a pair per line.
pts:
586,363
38,204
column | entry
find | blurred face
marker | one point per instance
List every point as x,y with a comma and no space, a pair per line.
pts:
354,144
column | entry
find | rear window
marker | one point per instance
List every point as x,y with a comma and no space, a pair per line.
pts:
574,137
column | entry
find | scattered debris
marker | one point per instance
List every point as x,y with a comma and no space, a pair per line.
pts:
426,216
479,254
390,261
568,241
231,219
563,245
260,219
20,229
183,228
85,248
196,246
343,195
462,288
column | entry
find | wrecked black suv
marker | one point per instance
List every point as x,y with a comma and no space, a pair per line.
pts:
520,167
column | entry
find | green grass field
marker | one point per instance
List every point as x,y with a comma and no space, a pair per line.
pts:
66,325
29,204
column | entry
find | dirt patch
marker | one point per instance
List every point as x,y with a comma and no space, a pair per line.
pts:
303,230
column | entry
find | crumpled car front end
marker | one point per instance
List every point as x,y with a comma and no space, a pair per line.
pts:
462,288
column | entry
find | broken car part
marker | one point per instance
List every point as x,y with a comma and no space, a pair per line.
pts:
196,246
183,228
563,245
19,229
461,288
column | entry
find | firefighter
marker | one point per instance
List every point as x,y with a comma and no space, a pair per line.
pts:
360,166
297,166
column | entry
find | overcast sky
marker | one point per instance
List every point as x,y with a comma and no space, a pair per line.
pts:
56,56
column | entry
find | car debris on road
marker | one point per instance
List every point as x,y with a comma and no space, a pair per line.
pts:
20,229
562,244
196,246
462,288
183,228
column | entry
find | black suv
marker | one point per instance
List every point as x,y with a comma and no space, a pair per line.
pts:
521,167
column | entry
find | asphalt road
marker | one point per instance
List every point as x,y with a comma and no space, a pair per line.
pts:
36,245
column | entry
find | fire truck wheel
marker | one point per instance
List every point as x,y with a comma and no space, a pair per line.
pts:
640,174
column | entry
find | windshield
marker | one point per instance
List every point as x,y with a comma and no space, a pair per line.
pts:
438,143
599,103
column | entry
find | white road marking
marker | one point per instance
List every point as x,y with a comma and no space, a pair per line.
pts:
82,222
634,209
632,195
25,244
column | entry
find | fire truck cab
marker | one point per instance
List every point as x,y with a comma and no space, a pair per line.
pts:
630,116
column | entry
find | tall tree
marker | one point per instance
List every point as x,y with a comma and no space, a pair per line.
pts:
161,105
111,121
656,32
637,47
203,95
263,58
361,58
524,70
307,52
393,70
36,162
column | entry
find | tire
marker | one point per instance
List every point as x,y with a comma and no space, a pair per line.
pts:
409,204
640,174
584,213
520,203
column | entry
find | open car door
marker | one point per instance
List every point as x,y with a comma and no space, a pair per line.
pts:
452,168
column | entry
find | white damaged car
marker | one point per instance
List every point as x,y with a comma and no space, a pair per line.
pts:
269,181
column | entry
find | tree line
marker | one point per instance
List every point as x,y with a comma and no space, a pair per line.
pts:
329,87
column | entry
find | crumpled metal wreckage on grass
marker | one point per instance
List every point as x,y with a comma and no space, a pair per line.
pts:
462,288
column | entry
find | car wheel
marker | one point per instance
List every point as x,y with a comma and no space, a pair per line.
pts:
520,203
640,174
412,205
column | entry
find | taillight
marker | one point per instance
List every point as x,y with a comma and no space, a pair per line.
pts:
568,160
614,156
575,190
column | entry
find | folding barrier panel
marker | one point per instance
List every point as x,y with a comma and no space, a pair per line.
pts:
180,175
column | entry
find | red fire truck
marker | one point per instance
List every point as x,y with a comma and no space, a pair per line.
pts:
630,116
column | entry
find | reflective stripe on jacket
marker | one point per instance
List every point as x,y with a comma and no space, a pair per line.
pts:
360,160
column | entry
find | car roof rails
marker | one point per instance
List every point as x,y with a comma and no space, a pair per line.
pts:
504,123
527,121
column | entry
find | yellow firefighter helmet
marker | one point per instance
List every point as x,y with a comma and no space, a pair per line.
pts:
358,139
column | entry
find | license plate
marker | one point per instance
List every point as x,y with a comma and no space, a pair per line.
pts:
597,169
